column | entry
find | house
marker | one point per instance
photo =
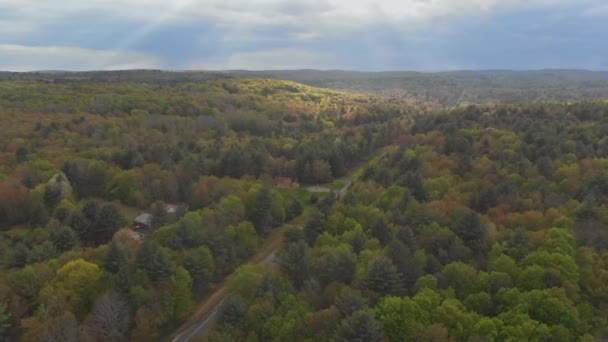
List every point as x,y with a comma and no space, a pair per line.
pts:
171,208
143,220
284,183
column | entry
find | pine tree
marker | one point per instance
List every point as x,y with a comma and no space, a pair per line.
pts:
64,238
384,278
314,227
296,263
124,279
402,258
262,217
350,301
472,232
5,320
114,258
154,261
108,220
233,310
361,326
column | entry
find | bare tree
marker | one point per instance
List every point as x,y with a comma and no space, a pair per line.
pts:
110,319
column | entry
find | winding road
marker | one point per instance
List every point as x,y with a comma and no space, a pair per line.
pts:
207,313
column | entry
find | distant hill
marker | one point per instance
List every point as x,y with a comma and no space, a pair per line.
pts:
447,88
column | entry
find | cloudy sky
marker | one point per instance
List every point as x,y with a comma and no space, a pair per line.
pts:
425,35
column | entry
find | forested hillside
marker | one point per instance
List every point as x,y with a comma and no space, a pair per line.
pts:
445,88
454,87
123,204
483,223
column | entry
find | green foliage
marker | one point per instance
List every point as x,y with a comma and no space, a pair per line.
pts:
296,263
350,301
384,278
178,301
154,261
199,263
233,311
491,217
360,326
74,286
114,259
5,323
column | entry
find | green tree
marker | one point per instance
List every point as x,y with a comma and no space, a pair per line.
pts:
461,277
383,278
401,317
64,238
108,220
114,258
338,264
154,261
233,310
259,208
561,241
296,263
402,258
199,263
471,230
178,301
361,326
76,284
42,252
314,227
244,239
349,301
5,320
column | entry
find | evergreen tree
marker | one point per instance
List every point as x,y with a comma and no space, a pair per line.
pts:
124,279
108,220
472,232
314,227
381,230
350,301
295,261
338,264
18,256
64,238
154,261
184,237
5,320
233,311
402,258
261,216
114,258
361,326
384,278
81,226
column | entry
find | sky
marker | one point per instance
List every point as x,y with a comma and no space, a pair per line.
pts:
365,35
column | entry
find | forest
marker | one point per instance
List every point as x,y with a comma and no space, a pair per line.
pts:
448,88
483,222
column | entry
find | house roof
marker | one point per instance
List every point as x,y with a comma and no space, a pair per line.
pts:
144,218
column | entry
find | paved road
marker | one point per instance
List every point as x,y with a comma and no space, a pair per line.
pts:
205,323
201,327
